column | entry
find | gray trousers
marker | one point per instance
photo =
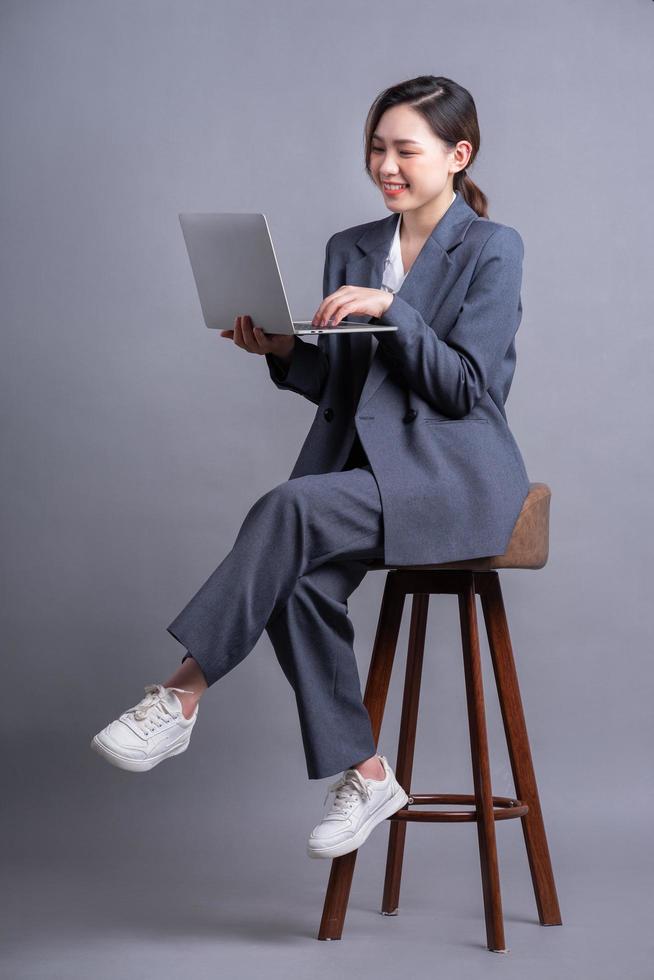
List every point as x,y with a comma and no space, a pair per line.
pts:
299,554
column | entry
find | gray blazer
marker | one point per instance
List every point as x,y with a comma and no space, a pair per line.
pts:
430,410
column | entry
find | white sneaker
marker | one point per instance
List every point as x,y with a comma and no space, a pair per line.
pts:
151,731
358,806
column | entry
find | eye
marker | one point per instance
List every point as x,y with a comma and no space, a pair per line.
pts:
403,153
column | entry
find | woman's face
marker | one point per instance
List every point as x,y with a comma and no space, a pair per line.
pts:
406,151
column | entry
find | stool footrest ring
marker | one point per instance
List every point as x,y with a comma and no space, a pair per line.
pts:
504,808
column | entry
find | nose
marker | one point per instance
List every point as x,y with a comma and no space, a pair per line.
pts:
388,174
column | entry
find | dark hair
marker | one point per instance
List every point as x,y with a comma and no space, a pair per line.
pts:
451,113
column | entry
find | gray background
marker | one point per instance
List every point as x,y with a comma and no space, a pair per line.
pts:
135,440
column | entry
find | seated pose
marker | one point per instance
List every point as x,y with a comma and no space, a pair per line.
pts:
409,459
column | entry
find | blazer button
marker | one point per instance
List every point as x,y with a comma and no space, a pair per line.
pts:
410,415
329,414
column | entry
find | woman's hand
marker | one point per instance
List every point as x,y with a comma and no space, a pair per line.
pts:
351,299
254,340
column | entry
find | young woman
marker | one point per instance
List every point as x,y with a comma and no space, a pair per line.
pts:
409,459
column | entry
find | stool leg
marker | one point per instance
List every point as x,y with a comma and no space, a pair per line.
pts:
406,749
515,728
379,675
481,769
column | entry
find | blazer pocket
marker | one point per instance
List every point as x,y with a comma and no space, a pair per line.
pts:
453,421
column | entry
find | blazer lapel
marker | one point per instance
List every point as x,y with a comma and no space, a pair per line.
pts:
423,288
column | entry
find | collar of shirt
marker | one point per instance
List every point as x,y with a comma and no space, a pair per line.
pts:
394,274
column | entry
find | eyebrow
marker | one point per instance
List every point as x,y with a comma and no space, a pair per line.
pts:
376,137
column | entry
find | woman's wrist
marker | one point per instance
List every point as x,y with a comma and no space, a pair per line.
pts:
287,356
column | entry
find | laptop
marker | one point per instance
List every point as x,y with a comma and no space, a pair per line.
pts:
236,273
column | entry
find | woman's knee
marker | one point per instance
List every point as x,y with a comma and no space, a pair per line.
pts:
286,498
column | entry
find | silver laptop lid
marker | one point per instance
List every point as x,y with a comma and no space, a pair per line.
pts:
235,270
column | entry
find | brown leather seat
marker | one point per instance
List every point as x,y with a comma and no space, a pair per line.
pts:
529,543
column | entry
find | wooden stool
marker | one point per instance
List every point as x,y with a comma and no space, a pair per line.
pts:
528,548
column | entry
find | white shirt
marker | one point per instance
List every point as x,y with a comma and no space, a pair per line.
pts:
394,274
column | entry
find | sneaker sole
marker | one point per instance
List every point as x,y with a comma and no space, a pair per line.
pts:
396,802
137,765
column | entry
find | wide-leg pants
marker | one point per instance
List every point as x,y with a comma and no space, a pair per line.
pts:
299,554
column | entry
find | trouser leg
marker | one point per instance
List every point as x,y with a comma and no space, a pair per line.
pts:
312,636
290,531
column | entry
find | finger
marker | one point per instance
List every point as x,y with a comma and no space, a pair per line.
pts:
259,337
238,333
334,304
250,343
333,311
227,333
327,303
257,333
342,312
320,316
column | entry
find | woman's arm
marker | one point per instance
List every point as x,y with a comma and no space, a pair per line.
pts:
308,368
453,375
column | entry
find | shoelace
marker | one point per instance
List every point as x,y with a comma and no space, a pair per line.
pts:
152,708
348,788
